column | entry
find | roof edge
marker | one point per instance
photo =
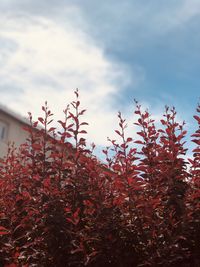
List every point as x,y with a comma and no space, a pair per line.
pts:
13,114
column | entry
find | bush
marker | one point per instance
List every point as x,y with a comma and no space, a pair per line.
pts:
60,206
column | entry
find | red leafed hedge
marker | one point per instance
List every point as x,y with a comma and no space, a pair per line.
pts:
60,206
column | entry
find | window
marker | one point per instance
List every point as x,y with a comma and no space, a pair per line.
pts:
3,130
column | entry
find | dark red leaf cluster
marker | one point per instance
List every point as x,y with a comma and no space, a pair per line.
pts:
60,206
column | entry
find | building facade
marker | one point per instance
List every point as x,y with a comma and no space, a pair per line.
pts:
11,129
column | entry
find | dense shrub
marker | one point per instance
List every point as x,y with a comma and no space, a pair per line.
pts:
60,206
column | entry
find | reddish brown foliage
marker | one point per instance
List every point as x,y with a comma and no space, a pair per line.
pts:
59,206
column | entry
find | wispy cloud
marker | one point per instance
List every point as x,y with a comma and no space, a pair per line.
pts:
45,61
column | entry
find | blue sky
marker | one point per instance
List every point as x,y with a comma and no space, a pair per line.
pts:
113,51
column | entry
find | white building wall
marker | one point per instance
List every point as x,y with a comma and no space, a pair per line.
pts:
14,132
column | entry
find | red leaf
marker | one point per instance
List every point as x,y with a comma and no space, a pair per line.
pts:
26,194
139,142
62,123
11,265
36,146
41,120
141,134
67,209
197,118
84,123
68,135
118,132
35,124
137,112
82,132
51,129
168,131
105,152
47,182
197,141
3,231
76,213
82,112
196,150
70,220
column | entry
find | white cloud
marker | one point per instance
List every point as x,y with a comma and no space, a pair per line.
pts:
48,62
